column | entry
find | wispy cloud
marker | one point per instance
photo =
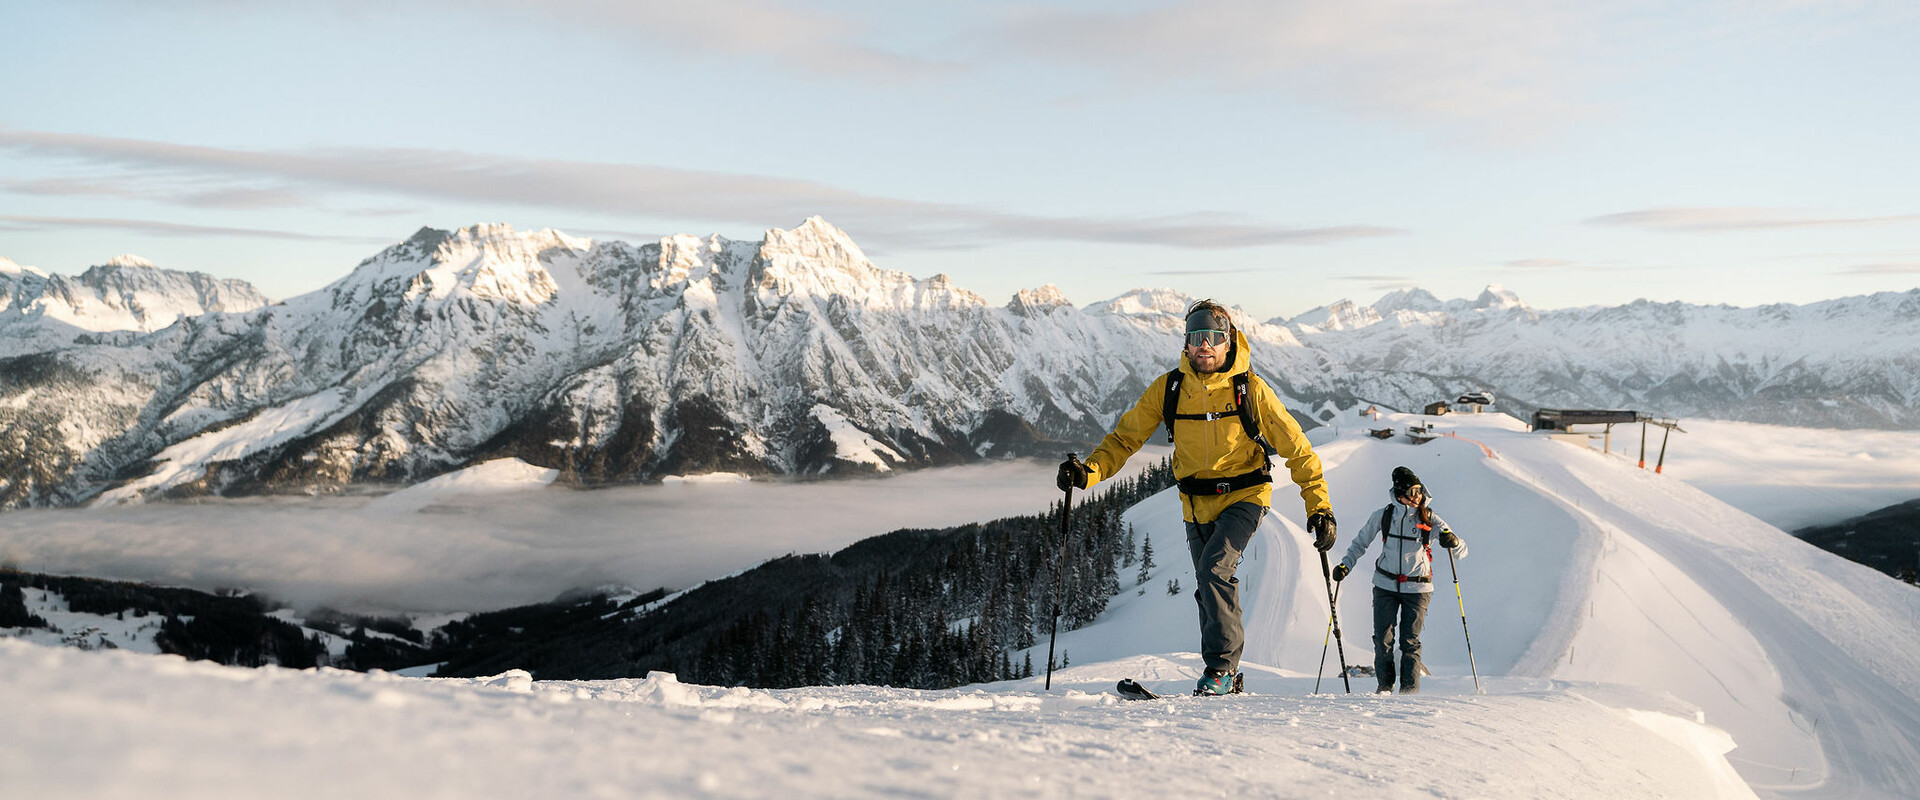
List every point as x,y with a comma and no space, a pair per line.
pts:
802,37
632,189
28,223
1894,268
1536,265
1473,61
224,196
1722,219
1222,271
1850,255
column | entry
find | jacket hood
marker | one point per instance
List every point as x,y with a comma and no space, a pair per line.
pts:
1239,359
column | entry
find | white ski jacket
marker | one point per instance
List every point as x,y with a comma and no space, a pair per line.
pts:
1403,561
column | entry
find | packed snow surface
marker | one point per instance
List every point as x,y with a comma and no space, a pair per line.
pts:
113,725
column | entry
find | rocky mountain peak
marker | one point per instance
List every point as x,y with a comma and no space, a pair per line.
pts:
1340,316
685,258
1145,302
1496,296
11,268
497,262
1030,301
817,259
502,241
128,260
814,238
1411,298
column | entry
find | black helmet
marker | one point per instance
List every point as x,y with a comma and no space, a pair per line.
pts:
1404,482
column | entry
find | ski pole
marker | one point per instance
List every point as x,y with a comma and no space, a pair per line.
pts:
1066,505
1324,642
1455,568
1333,621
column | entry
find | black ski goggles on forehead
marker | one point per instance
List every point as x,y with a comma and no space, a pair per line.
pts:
1206,338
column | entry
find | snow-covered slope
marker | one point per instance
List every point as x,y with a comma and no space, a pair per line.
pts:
1584,568
1634,638
113,725
795,354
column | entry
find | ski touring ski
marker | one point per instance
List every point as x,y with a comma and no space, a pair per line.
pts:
1130,689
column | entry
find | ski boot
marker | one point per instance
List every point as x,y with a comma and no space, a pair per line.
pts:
1219,682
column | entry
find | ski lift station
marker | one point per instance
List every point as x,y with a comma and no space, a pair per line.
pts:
1559,423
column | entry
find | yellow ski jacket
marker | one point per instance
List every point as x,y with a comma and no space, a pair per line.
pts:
1218,448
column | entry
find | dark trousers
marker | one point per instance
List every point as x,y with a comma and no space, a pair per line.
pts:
1409,609
1216,548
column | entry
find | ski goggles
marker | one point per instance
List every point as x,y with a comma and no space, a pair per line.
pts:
1206,338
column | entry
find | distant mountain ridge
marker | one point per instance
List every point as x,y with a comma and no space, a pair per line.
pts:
40,311
1850,363
795,354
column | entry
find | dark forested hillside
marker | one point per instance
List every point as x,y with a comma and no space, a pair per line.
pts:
1887,540
230,629
922,608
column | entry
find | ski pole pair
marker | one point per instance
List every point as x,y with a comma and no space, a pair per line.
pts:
1333,626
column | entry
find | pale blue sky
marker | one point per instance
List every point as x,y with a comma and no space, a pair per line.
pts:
1277,155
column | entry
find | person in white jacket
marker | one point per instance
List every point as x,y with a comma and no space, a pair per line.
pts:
1402,576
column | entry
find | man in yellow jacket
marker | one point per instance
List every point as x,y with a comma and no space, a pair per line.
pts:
1226,424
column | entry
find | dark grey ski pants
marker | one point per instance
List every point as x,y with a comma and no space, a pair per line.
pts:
1216,547
1410,610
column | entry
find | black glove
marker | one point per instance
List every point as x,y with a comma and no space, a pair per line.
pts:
1320,524
1073,474
1448,539
1340,572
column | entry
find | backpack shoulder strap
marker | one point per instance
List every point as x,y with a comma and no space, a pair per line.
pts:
1244,402
1172,399
1386,515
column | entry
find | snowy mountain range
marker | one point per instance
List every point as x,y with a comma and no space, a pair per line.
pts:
126,295
795,354
1847,363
